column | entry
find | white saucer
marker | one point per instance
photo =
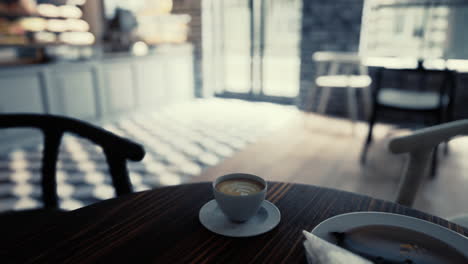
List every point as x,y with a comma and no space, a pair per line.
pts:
267,218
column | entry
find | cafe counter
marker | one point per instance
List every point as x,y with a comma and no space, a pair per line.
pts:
100,89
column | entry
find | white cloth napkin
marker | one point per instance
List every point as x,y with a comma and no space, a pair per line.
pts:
319,251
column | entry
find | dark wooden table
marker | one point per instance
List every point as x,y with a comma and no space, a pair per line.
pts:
162,226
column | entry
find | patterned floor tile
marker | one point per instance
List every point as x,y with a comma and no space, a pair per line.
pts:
180,141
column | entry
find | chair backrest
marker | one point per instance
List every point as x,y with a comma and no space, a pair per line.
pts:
420,145
409,75
116,149
338,63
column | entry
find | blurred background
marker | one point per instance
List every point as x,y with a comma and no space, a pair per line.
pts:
280,88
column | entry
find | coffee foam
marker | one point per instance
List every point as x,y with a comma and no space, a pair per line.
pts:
239,187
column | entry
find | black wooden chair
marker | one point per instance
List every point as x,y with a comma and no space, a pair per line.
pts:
116,149
436,104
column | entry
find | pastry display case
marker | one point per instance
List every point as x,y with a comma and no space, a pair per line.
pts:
34,31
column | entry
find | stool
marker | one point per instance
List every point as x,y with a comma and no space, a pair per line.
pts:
340,70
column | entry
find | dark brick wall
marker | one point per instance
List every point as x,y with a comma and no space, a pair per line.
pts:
332,25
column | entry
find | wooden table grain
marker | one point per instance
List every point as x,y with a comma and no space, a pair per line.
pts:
162,226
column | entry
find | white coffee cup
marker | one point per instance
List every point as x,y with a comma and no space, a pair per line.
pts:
240,204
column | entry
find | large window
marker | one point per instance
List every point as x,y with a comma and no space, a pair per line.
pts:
251,47
419,29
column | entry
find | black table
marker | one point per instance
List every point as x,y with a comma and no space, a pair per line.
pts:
162,226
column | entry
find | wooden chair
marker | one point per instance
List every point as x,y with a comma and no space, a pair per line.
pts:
420,146
340,70
436,104
116,149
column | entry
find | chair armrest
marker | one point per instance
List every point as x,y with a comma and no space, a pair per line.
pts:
428,138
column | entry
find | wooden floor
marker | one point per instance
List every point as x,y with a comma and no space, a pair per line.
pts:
324,151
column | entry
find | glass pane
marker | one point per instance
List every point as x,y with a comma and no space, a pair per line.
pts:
281,62
281,75
236,40
212,47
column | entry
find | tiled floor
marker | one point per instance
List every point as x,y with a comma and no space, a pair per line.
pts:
180,141
201,140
